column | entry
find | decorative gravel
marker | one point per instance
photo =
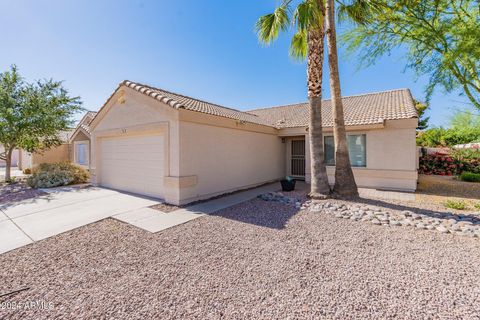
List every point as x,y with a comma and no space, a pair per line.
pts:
444,222
165,207
256,260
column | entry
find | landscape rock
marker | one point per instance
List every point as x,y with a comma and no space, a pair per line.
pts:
443,222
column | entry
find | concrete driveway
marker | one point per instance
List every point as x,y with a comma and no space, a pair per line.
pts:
61,210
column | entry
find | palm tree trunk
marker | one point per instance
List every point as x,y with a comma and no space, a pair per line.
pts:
345,185
320,188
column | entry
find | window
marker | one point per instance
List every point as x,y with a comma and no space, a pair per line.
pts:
81,153
357,149
329,148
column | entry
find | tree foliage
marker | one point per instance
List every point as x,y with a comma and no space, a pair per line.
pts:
33,114
464,128
441,38
301,18
422,119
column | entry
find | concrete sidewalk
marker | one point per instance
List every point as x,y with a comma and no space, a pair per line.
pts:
155,221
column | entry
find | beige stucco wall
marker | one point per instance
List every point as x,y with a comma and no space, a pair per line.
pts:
391,155
56,154
206,155
227,158
130,113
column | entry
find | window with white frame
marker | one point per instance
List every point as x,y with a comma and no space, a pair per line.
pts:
81,153
357,149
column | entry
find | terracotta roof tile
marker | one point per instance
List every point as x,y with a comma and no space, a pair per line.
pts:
362,109
178,101
371,108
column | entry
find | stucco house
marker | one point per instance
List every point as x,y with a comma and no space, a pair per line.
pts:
23,159
80,141
75,148
157,143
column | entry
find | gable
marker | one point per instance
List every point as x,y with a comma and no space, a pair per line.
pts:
127,108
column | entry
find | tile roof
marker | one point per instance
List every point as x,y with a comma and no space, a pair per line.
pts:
178,101
86,120
364,109
83,124
371,108
66,135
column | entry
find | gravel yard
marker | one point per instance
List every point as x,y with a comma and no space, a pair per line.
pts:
259,259
437,189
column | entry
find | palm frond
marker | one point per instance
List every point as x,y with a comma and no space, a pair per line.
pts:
307,15
358,11
299,45
269,26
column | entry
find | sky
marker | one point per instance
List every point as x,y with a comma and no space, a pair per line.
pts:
205,49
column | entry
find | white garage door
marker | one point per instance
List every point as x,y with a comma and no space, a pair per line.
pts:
133,164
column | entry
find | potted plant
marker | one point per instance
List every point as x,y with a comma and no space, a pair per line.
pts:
288,184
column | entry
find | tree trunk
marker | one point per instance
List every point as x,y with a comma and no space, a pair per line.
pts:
345,185
320,188
8,163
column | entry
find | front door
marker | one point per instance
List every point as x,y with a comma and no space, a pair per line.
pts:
298,158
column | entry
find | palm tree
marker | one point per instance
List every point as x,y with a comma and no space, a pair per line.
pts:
345,185
308,20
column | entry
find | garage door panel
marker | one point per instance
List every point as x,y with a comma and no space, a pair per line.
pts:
133,164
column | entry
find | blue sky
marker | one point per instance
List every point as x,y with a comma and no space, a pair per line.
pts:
205,49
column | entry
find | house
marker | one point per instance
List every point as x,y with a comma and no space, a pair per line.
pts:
25,159
80,141
75,148
157,143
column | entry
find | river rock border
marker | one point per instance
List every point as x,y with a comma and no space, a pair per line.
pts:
443,222
280,197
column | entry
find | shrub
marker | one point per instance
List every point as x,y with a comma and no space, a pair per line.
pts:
447,164
466,154
477,205
455,204
27,171
470,177
48,175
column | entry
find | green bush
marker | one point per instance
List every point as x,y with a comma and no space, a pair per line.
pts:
470,177
49,175
455,204
477,205
466,154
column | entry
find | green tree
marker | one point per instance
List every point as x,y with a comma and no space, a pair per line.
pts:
464,128
441,38
422,119
32,114
307,20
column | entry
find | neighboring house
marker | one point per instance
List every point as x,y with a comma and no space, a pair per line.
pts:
80,141
76,148
153,142
55,154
